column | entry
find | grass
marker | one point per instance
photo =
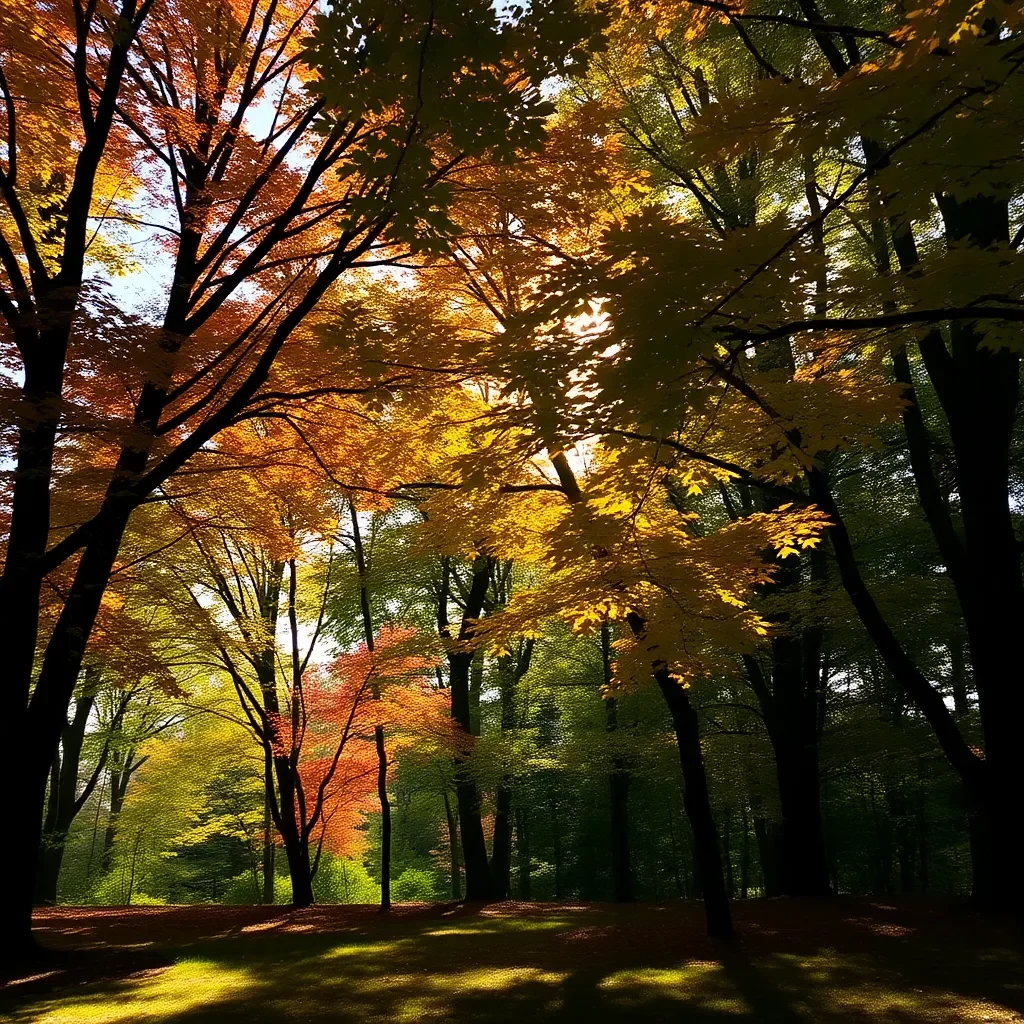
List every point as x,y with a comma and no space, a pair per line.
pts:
848,960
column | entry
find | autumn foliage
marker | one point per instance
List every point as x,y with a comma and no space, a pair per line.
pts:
351,352
339,712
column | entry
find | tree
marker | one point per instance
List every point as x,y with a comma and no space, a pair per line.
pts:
362,569
64,800
867,229
255,238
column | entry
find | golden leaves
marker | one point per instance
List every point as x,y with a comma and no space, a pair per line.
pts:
625,553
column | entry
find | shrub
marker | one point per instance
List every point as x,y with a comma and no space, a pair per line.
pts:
244,890
282,889
415,885
114,890
341,880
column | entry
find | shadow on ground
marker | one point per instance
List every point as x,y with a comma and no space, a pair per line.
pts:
794,963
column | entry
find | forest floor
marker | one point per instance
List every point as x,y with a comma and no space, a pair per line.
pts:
896,962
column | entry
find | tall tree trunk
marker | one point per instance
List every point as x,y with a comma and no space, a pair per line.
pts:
51,846
804,863
269,848
299,872
296,845
378,730
35,730
978,389
622,868
385,818
474,847
476,685
25,800
510,671
673,845
697,802
471,830
790,695
501,844
768,836
65,801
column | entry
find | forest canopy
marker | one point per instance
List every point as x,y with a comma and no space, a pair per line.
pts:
456,450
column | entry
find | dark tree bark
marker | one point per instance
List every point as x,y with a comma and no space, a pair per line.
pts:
510,672
697,803
296,845
680,876
41,313
978,388
476,685
622,869
269,848
385,818
64,800
768,837
474,847
790,694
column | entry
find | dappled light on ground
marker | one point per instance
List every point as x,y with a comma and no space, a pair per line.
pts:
793,964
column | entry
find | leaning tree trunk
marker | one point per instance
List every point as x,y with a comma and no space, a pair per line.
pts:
35,730
978,388
697,802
